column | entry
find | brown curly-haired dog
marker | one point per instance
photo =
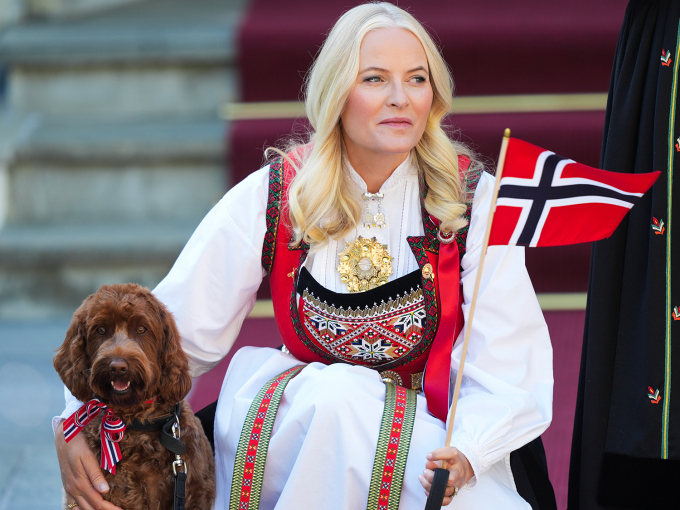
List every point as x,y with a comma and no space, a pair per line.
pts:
123,347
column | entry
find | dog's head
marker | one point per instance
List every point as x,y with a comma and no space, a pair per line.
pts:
123,347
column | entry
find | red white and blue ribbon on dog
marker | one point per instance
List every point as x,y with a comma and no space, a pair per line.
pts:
112,431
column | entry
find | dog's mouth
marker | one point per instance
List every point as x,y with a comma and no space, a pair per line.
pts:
120,380
120,387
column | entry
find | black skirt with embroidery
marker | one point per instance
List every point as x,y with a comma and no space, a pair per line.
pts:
626,444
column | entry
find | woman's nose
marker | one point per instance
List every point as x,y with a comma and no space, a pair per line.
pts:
398,98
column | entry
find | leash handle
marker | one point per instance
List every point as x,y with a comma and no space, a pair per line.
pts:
436,498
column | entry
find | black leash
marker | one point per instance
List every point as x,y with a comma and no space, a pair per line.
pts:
436,498
170,436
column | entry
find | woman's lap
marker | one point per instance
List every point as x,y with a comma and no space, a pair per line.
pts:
325,435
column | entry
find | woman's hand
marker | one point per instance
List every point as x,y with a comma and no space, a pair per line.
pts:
459,468
80,473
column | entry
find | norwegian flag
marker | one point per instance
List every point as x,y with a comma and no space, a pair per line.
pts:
112,431
549,200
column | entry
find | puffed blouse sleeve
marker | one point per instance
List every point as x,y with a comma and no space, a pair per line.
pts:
212,286
506,396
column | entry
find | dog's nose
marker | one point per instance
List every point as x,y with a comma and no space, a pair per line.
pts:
118,367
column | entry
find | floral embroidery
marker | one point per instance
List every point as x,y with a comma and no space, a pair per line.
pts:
677,144
665,58
658,226
654,395
414,319
273,213
676,314
431,243
373,336
429,290
321,323
372,352
472,179
297,323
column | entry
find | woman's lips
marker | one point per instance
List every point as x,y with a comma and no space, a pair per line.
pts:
397,122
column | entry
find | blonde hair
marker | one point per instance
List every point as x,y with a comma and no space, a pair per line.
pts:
321,204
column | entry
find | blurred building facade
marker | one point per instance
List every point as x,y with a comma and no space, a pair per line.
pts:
111,149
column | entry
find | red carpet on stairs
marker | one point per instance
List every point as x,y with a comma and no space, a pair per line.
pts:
493,47
566,333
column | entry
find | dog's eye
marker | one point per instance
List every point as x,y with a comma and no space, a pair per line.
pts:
101,330
141,330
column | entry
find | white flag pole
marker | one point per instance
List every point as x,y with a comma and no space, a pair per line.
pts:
468,323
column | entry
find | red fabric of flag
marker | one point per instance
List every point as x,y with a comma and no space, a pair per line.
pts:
549,200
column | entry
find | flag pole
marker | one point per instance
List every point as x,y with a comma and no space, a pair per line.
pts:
468,323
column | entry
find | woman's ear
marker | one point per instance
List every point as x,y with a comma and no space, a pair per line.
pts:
72,360
175,379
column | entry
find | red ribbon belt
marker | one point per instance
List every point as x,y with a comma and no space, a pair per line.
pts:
112,431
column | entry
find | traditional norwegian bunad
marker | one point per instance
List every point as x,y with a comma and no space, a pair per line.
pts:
343,416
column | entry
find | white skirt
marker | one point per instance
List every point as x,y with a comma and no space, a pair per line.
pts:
324,439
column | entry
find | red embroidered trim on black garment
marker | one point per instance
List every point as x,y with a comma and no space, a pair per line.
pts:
417,244
472,176
431,243
273,213
297,323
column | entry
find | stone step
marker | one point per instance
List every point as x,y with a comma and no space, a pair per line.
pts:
153,57
120,91
48,271
78,172
69,8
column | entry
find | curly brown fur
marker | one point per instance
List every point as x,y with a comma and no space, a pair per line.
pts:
123,347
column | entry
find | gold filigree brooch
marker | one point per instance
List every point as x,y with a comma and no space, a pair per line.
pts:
364,264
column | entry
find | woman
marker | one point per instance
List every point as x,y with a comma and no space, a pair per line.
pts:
365,310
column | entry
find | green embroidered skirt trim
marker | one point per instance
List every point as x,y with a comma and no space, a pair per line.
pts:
251,454
393,444
390,457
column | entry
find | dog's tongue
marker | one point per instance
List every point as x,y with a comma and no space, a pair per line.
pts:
120,385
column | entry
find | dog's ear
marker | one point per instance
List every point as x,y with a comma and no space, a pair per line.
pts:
72,359
176,381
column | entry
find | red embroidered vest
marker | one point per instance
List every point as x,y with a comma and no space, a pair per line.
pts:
440,276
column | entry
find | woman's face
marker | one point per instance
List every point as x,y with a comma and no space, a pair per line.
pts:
388,107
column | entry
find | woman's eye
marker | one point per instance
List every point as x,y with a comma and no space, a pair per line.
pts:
141,330
420,79
373,79
101,330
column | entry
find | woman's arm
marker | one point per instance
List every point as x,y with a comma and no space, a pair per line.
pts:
211,288
506,395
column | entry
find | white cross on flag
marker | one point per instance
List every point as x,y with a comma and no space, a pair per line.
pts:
548,200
